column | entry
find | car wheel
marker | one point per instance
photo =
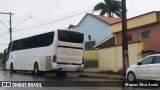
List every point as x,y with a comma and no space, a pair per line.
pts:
131,77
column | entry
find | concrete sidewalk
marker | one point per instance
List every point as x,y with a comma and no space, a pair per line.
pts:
94,73
100,75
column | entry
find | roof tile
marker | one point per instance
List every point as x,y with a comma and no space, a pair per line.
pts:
109,20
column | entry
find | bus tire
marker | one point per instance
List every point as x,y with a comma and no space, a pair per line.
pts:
36,69
12,68
61,74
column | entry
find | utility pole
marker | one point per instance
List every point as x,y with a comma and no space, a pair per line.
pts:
124,38
10,23
57,3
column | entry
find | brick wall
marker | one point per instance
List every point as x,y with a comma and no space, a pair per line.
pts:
152,43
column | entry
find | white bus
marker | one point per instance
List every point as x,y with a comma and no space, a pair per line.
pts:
60,51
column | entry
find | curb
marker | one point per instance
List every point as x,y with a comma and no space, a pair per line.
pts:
105,77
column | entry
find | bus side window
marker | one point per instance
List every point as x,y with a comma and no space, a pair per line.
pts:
17,45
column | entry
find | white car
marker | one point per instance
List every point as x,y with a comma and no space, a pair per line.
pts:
146,69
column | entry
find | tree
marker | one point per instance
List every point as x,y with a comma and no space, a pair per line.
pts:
1,56
109,7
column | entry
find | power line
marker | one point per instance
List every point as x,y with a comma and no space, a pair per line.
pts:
4,24
1,35
4,34
3,44
10,23
53,21
22,22
4,37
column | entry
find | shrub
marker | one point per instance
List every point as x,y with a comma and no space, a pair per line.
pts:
90,63
1,56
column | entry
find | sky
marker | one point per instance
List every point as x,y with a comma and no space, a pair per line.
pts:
45,14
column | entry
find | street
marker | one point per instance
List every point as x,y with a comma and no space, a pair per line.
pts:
21,76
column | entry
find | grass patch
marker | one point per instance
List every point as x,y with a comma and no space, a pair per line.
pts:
1,56
90,63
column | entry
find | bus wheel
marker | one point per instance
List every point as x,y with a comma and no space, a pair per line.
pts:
12,68
36,69
61,74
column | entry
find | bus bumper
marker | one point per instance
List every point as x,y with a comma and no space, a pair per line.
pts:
68,68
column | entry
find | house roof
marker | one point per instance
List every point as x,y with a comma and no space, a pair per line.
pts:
109,20
107,42
110,42
105,19
137,16
137,21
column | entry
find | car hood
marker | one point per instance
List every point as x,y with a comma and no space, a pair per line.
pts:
132,67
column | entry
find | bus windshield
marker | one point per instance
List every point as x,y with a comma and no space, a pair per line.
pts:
70,36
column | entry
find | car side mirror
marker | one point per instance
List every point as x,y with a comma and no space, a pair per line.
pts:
139,63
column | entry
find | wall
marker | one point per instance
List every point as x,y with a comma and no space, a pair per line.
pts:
107,59
134,22
150,44
94,27
111,58
91,55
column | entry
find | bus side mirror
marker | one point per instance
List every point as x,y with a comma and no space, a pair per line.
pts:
5,51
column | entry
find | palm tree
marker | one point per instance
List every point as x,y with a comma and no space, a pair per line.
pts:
109,7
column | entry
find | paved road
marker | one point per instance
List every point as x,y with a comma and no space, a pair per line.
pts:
20,76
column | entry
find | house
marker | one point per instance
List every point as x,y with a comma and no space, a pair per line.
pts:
144,28
95,28
143,39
